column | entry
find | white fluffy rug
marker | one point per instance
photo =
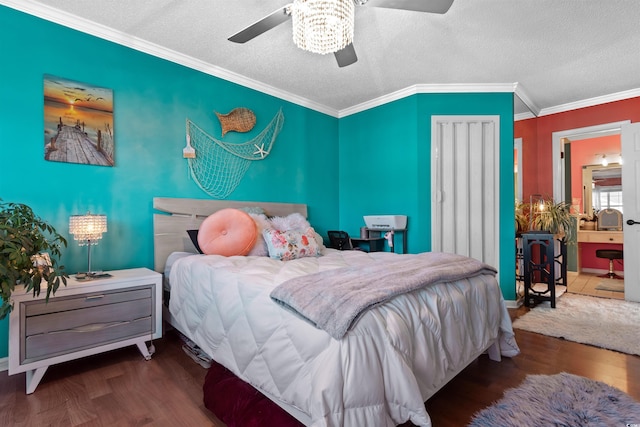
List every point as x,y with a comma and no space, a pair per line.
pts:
602,322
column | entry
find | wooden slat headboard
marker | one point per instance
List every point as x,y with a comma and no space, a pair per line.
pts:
170,228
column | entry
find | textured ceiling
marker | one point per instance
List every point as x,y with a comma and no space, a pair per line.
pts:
558,52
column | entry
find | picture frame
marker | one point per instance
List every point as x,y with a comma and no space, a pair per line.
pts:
78,122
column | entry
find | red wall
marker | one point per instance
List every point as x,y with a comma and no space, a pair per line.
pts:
526,129
537,144
589,152
588,258
537,171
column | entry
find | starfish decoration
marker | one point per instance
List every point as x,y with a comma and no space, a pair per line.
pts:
260,150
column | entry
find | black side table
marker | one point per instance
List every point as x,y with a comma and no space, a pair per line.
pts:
539,267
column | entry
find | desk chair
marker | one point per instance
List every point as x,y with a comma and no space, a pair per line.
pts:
340,240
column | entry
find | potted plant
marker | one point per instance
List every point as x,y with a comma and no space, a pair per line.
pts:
555,218
29,253
545,215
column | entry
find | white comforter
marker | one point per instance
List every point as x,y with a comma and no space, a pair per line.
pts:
379,374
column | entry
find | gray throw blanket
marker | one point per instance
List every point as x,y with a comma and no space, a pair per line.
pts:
334,300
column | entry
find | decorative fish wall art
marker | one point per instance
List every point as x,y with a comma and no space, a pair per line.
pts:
237,120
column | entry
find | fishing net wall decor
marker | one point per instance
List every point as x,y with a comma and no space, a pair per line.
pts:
218,166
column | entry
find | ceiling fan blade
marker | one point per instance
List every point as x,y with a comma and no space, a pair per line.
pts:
265,24
431,6
346,56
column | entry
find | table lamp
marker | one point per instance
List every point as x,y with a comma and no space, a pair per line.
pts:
87,230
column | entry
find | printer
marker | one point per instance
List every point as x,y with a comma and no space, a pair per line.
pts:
385,222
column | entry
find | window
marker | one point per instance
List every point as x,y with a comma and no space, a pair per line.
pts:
608,198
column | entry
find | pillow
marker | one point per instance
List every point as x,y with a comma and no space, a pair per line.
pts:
295,221
260,246
320,242
193,235
253,210
291,244
227,232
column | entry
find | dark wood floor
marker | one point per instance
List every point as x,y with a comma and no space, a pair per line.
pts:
121,389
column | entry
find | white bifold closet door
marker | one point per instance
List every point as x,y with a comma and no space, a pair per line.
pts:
465,184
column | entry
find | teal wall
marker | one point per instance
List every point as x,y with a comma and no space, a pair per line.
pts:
379,169
373,162
152,99
385,166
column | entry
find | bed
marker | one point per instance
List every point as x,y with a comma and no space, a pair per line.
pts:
391,358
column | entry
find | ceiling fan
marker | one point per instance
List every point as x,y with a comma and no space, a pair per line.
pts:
326,26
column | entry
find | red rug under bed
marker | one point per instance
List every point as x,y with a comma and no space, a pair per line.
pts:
238,404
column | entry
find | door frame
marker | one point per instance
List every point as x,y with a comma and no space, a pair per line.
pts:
606,129
614,128
517,145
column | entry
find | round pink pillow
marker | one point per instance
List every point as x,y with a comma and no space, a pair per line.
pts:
227,232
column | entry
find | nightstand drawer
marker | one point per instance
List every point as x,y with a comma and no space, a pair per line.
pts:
59,342
60,304
75,323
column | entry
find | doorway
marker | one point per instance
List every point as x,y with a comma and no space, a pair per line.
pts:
561,189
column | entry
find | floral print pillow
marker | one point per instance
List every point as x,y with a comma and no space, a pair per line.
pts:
291,244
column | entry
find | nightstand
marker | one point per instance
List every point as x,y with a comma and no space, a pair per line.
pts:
85,317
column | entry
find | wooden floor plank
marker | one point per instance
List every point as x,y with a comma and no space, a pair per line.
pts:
121,388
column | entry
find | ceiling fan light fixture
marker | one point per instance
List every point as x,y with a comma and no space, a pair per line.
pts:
322,26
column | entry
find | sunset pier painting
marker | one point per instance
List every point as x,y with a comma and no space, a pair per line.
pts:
78,122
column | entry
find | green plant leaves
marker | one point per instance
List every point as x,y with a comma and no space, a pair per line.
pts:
23,235
548,216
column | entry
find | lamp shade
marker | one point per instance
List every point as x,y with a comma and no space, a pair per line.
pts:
87,228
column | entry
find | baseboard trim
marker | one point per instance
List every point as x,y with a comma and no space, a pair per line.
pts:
4,364
513,303
597,271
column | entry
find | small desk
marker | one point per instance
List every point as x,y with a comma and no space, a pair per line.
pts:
377,233
376,244
591,236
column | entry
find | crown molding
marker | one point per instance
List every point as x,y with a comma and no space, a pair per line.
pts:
101,31
86,26
523,116
590,102
428,88
526,100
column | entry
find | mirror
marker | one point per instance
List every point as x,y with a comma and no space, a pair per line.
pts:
602,187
